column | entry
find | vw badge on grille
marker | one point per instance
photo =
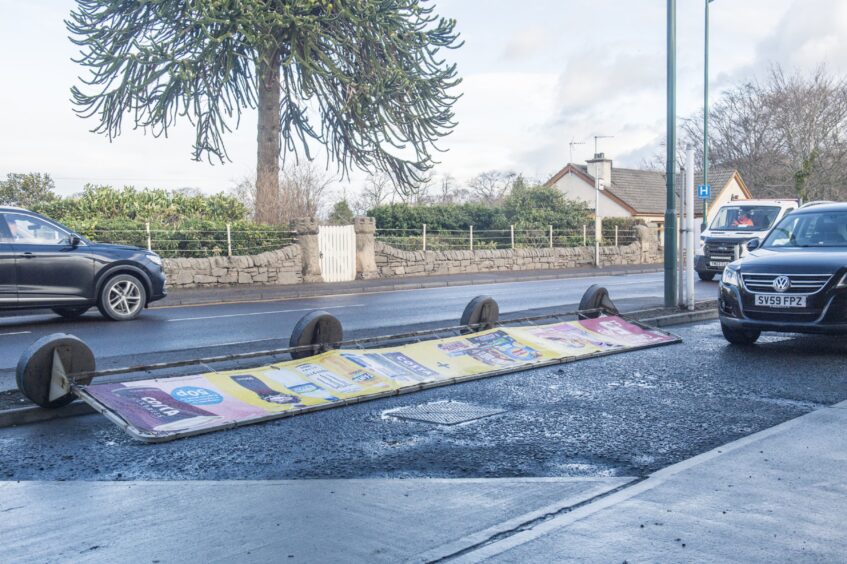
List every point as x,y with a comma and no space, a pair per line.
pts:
781,283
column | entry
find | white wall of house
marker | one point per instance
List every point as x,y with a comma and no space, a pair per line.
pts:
575,188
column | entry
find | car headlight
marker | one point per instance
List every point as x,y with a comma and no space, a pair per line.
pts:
730,277
843,282
154,258
701,246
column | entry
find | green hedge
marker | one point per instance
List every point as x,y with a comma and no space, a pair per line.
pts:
162,206
527,207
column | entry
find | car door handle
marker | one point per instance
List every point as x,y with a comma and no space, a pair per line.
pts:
27,255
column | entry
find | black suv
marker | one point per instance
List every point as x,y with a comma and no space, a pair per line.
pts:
795,281
43,264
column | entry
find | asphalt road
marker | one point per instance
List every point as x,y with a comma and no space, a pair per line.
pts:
177,332
622,415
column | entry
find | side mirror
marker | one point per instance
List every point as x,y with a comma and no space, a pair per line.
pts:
75,240
753,244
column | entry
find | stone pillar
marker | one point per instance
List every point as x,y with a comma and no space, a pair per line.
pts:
307,237
365,260
648,238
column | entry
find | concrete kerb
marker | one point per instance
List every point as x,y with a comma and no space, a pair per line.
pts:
34,414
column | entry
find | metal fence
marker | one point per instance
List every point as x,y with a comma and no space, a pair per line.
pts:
425,239
173,243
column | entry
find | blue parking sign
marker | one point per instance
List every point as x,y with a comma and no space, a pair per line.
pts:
704,191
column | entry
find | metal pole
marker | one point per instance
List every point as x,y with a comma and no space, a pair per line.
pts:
550,228
512,231
471,237
597,182
706,116
149,239
670,210
584,235
616,235
228,240
424,236
690,239
682,237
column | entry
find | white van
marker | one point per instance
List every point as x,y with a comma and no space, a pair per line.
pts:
736,223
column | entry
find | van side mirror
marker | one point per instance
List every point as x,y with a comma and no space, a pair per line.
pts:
753,244
74,240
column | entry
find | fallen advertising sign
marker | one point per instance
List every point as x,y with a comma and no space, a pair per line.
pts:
159,410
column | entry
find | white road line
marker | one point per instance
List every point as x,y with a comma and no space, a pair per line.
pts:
262,313
15,333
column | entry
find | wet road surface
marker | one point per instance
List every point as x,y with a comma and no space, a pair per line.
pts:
622,415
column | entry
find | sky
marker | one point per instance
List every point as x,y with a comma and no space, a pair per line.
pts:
537,74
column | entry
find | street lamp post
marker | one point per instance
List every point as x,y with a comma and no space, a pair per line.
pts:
706,115
598,185
670,164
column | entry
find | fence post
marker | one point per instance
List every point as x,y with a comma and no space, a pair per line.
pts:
512,231
550,228
616,235
424,236
472,237
228,240
584,235
149,238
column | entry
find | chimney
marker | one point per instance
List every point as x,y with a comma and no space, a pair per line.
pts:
600,166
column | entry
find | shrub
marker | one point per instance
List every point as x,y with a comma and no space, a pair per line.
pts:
161,206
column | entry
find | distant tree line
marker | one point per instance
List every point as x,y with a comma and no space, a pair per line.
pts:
786,134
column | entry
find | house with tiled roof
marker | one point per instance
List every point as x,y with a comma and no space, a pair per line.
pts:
640,194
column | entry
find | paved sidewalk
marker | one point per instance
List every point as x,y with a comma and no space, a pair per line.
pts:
278,292
272,521
777,495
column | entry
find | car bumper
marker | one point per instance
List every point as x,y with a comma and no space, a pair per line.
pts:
830,320
158,283
701,265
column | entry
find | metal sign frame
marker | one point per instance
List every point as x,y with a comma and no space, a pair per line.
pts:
81,390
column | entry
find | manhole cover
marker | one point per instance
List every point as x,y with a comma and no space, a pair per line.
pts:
445,413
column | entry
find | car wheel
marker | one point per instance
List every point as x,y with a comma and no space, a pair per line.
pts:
70,312
706,276
122,298
740,336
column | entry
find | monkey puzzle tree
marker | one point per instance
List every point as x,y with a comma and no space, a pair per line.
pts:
363,78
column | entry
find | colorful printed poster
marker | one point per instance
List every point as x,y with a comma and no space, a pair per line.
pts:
624,332
164,409
569,339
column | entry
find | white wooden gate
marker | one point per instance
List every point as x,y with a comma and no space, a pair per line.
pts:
337,244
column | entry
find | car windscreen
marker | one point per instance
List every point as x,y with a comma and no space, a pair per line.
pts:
820,229
745,218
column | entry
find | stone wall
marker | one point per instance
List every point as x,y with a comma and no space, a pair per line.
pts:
284,266
393,262
300,263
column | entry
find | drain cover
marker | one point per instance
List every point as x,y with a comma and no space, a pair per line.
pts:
445,412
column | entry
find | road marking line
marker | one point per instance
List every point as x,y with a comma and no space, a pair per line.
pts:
262,313
245,342
15,333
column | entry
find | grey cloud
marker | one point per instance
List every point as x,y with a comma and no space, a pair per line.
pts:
526,43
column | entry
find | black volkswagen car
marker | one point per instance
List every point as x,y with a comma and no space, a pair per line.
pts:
43,264
794,281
